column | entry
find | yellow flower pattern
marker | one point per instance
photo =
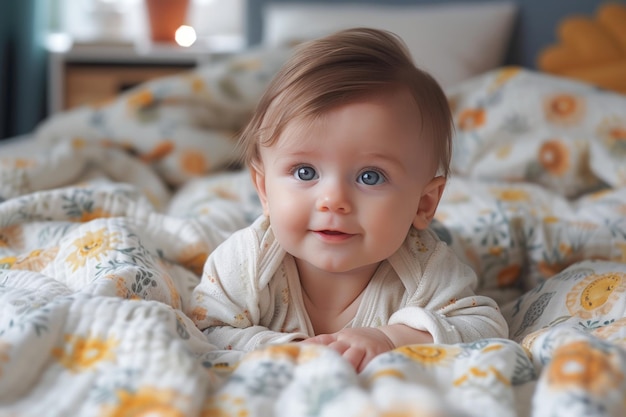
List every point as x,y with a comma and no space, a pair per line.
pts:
147,401
91,245
193,257
35,260
504,75
193,162
509,275
7,262
564,108
581,365
477,373
291,352
429,355
511,195
160,151
472,118
554,157
141,98
596,294
225,406
84,353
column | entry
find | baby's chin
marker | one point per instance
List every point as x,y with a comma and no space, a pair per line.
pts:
339,266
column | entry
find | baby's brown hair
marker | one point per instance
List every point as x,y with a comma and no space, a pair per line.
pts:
342,68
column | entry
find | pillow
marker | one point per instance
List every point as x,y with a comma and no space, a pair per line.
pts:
451,41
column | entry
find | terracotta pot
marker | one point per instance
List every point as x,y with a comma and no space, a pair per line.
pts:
164,17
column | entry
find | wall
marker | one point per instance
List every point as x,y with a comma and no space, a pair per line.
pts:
22,66
4,56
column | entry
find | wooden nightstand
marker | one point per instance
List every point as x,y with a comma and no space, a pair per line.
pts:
96,73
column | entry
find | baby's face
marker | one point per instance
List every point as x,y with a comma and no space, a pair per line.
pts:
342,190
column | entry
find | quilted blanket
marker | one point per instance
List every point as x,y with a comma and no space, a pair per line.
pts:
106,222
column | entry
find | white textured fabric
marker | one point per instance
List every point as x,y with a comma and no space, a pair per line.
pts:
95,274
250,293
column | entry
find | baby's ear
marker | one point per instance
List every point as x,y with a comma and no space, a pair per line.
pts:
431,194
258,179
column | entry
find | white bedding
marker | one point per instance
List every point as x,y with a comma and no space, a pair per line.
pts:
103,234
18,145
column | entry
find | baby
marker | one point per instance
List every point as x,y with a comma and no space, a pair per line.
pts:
349,150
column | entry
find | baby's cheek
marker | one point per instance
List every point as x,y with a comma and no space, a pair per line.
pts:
291,211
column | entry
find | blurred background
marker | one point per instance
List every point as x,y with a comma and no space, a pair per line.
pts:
60,54
90,49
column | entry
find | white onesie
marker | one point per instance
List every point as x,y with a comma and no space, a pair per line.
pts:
250,293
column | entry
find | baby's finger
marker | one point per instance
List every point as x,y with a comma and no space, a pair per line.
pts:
355,356
367,358
339,346
321,339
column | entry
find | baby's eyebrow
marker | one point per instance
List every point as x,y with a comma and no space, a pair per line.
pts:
377,156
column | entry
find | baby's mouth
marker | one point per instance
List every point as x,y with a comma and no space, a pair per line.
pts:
333,235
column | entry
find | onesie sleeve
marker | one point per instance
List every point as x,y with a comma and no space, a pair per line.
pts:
442,301
226,304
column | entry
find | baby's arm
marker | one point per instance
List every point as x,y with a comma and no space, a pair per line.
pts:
227,303
401,335
445,305
248,338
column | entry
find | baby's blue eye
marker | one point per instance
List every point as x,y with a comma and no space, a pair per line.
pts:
305,173
371,178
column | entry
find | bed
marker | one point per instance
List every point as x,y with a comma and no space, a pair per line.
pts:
108,213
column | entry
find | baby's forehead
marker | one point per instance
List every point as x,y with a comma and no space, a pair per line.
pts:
314,110
385,115
364,124
357,107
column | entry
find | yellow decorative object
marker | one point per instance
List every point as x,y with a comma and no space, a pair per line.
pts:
591,49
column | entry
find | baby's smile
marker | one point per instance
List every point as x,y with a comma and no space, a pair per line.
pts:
332,235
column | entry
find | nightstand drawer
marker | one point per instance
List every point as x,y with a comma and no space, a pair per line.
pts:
99,83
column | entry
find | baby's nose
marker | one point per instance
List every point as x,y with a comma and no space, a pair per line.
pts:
334,197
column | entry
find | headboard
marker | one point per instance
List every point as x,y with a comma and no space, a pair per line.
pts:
534,27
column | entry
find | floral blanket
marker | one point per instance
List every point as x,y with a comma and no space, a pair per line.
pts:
107,217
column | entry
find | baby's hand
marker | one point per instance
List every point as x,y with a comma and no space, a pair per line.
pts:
358,345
